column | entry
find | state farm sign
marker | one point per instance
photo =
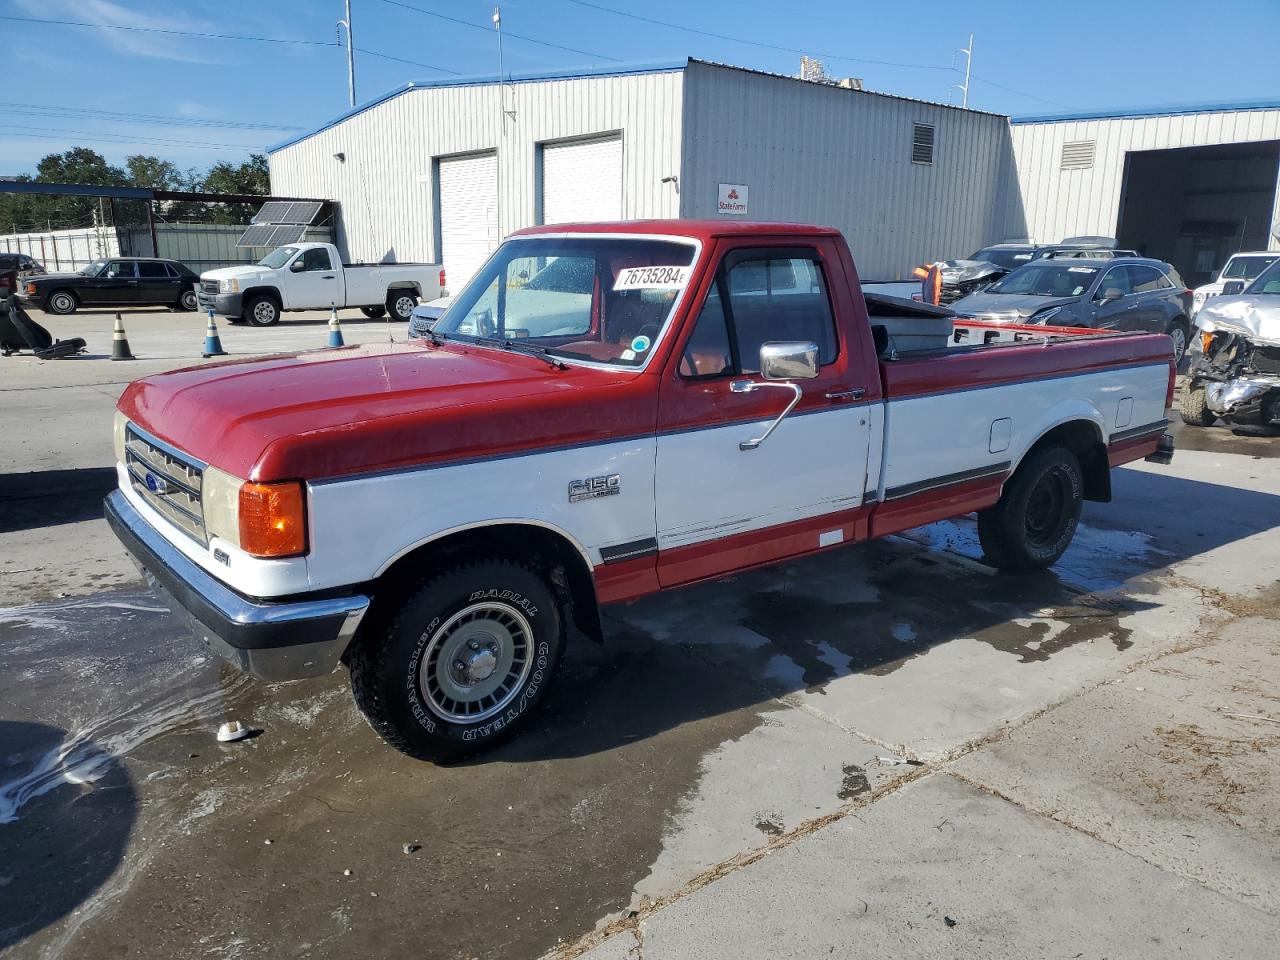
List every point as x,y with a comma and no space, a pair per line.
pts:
733,199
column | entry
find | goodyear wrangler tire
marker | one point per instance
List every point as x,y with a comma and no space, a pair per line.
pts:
1034,521
463,661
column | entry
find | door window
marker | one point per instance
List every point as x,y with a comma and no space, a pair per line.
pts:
1117,278
151,270
770,298
1148,280
121,269
173,271
315,259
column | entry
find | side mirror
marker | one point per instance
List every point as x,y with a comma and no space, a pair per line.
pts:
789,360
297,266
1232,287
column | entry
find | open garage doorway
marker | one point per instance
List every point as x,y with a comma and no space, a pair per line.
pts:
1195,206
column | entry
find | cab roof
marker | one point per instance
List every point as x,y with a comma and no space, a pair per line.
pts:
703,230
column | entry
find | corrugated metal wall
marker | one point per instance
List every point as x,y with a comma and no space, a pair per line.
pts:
1060,203
832,156
385,186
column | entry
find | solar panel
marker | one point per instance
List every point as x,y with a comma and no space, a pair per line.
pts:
287,233
302,211
258,235
272,211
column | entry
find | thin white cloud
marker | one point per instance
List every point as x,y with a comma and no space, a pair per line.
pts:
134,43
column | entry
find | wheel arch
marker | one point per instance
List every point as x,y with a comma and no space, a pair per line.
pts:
1082,434
272,292
566,562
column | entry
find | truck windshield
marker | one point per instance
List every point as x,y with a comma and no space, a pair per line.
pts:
1246,268
601,299
278,258
1046,279
1268,281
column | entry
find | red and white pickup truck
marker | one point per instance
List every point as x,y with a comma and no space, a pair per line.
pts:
607,410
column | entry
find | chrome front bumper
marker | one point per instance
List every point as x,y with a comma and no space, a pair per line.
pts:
272,640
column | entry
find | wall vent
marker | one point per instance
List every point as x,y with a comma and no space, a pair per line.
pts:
1077,155
922,143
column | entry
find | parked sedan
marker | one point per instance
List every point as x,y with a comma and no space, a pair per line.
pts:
113,282
1125,293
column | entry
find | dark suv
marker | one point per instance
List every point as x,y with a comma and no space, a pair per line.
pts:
14,268
114,282
1124,293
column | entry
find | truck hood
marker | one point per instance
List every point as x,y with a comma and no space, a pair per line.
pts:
1255,317
328,413
1006,306
246,271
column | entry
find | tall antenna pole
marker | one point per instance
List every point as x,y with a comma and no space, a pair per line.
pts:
968,66
351,55
502,90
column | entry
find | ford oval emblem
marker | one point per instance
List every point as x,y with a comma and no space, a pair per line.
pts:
156,484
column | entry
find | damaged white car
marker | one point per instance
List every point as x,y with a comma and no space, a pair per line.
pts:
1235,368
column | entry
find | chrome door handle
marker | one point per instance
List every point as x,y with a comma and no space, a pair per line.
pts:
856,393
750,386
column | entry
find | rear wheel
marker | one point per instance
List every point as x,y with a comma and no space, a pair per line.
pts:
188,300
459,665
1036,518
1178,334
400,304
62,302
262,311
1192,406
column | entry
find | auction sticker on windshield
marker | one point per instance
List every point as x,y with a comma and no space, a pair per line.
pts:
652,278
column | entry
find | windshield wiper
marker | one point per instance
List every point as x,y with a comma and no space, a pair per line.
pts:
532,351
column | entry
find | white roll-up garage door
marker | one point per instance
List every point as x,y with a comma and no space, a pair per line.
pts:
582,180
468,215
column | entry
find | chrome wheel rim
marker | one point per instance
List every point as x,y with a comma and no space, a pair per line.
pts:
189,300
403,307
264,312
62,303
1179,342
476,663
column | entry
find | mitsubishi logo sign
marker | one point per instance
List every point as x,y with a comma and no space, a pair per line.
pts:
733,200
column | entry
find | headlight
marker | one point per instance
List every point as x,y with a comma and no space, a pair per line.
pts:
1045,315
220,496
229,286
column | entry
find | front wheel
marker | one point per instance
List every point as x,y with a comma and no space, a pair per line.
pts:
400,304
1036,517
262,312
459,664
1193,407
62,302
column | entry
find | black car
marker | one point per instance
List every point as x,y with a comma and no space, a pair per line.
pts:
14,268
113,282
1125,293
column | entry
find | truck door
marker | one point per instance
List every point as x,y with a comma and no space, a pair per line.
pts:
719,506
315,283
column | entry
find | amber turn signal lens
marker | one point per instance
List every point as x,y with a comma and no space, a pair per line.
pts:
273,521
1205,340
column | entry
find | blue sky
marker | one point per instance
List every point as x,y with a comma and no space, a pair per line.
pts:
197,94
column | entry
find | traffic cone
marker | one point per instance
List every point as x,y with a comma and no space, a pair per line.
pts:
335,328
120,343
212,342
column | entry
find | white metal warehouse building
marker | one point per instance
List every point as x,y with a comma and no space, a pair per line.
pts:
440,171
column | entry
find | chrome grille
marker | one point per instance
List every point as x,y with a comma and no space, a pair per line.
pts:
210,287
168,481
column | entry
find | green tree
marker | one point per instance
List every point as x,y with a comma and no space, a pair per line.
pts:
251,176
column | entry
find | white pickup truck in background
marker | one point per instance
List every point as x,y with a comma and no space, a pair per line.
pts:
312,276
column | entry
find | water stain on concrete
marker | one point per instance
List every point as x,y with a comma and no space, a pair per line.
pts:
771,826
1031,617
853,782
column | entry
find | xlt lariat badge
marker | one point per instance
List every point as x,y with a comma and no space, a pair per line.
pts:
593,487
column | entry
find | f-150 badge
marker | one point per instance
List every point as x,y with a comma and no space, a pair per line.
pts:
592,487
